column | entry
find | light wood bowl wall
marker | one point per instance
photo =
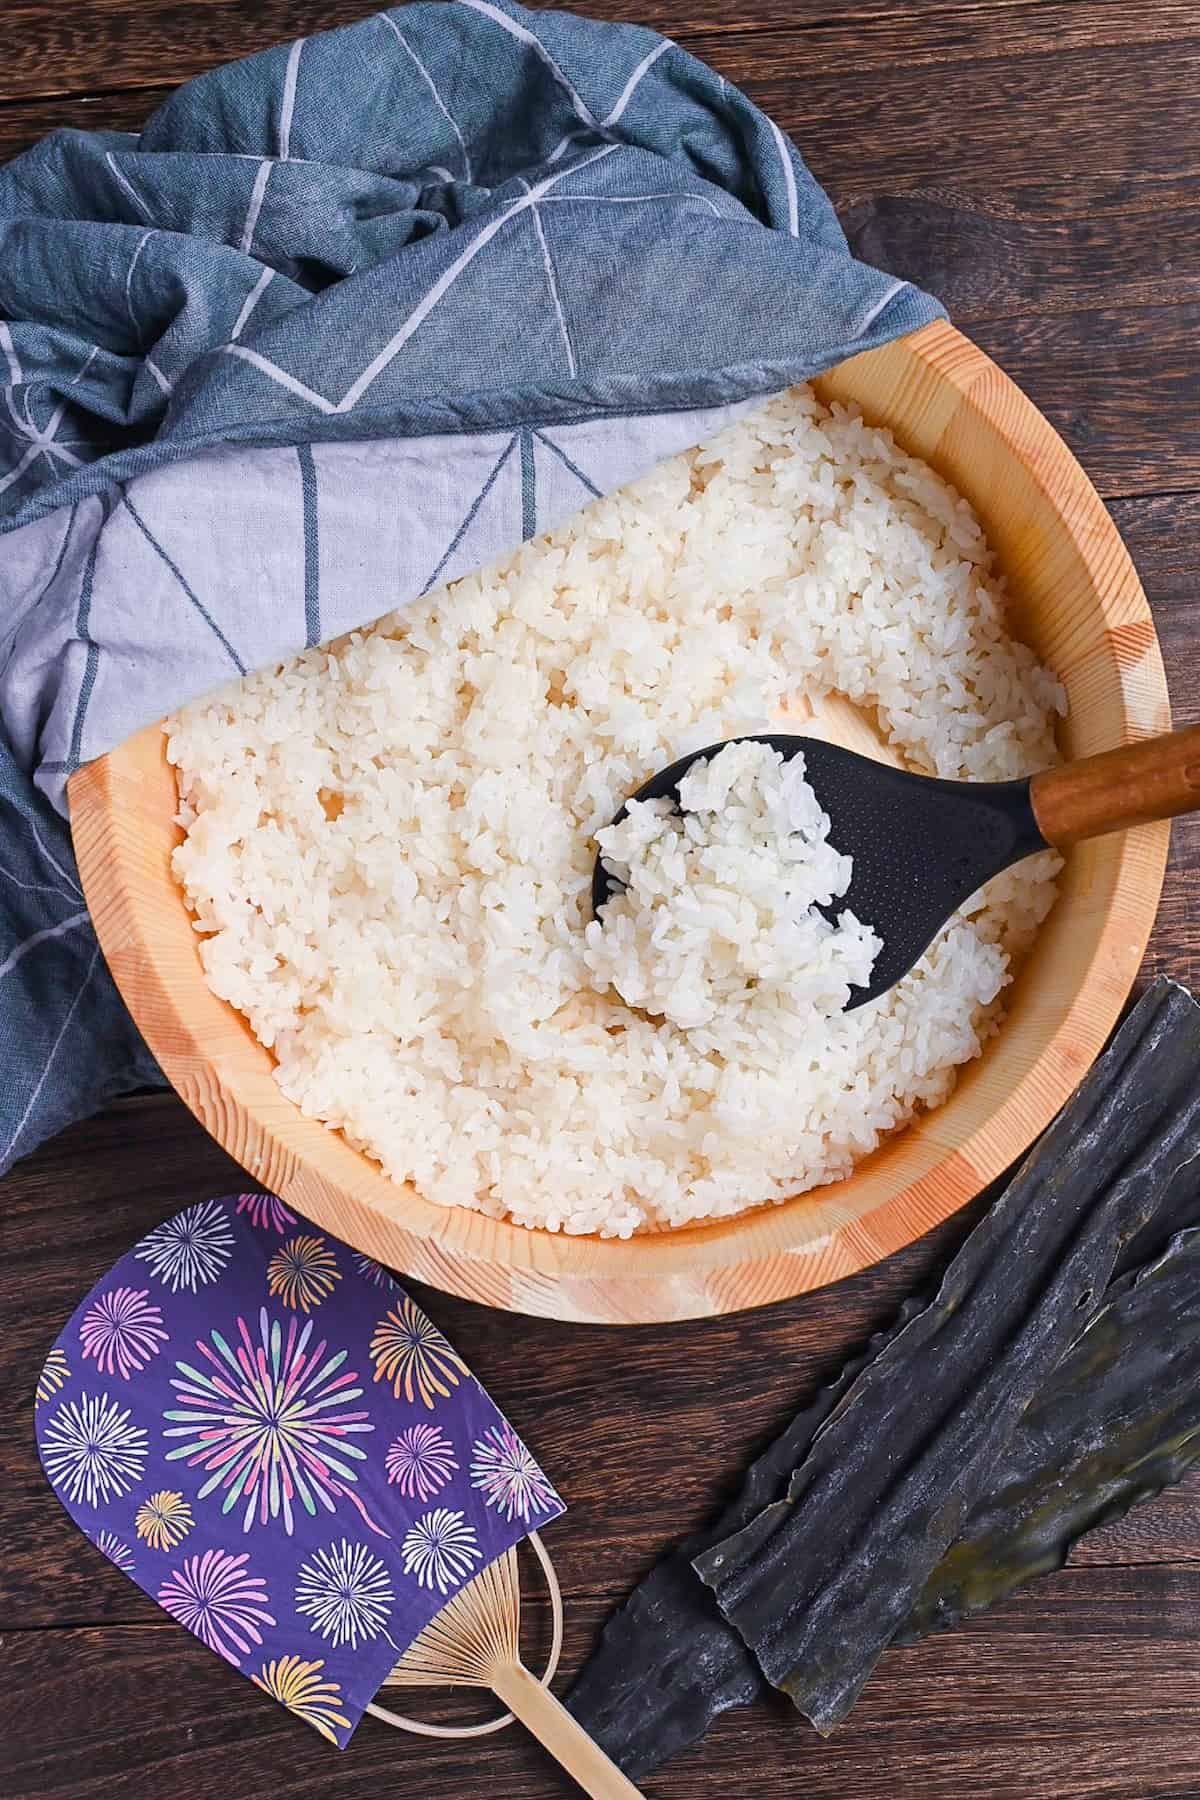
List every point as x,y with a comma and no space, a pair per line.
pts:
1076,600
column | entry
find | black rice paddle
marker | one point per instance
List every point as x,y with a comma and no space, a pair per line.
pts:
921,846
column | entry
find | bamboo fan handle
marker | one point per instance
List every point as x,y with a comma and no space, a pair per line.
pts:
1130,786
557,1731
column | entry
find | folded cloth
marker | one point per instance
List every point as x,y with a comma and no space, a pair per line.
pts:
346,320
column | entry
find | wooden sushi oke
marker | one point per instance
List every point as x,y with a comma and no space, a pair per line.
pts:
1076,601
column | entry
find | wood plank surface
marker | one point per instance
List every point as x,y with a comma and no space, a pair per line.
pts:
1103,1714
127,43
1070,249
1037,163
644,1428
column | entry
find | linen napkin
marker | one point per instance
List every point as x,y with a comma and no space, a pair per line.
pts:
346,320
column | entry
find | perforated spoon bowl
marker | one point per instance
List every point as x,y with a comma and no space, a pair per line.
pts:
921,846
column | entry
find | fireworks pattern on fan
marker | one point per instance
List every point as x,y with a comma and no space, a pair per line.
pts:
122,1330
258,1421
346,1592
53,1377
409,1351
441,1550
374,1272
190,1250
92,1450
216,1597
421,1461
116,1551
266,1211
164,1519
231,1453
298,1685
504,1471
302,1273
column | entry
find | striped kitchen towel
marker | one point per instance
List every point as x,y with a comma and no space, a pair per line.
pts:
344,321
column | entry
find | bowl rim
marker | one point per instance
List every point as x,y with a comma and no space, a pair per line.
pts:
121,810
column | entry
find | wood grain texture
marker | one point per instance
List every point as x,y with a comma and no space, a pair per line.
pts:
25,123
1134,785
1064,249
1077,232
1063,1691
68,1213
1074,597
892,123
1029,161
1163,535
124,44
1104,1713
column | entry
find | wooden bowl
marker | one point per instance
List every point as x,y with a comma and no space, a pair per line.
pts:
1076,600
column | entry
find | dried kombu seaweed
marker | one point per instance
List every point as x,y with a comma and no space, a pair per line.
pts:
819,1583
668,1661
1118,1421
1111,1426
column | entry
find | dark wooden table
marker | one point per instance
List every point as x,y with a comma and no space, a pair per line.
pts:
1037,163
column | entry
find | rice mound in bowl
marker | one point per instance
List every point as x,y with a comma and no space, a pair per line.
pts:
389,840
720,918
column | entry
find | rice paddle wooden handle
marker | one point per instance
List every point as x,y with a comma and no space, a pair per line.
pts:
1131,786
557,1732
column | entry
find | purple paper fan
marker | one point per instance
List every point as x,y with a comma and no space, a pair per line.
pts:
267,1434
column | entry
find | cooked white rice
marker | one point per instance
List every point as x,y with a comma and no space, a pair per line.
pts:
390,840
716,924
